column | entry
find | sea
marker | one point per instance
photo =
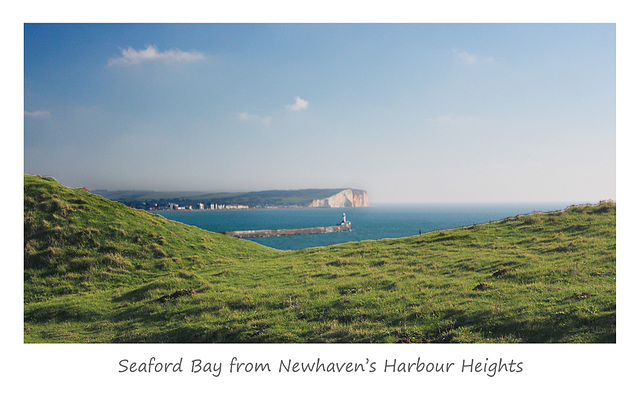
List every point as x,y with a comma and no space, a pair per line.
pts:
383,221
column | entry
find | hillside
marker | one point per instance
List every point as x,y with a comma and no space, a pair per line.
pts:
97,271
258,199
76,242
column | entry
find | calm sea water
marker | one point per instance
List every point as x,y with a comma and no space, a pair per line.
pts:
375,222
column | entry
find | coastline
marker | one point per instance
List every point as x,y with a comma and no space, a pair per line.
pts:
224,210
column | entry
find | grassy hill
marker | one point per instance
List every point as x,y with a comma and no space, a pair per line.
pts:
297,197
97,271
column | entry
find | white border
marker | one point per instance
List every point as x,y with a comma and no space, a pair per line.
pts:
554,374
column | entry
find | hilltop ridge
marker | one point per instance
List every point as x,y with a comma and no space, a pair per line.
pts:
258,199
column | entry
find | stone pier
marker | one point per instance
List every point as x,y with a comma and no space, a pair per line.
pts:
288,232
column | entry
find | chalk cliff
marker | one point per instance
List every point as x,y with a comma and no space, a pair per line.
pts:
347,198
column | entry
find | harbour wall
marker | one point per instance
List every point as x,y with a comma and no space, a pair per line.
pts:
288,232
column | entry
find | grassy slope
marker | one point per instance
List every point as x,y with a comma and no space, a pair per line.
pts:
93,269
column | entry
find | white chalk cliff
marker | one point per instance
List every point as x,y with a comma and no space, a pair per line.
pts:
347,198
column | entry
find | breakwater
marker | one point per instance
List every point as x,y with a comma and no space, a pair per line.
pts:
288,232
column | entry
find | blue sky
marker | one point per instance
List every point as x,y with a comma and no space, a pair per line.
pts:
409,112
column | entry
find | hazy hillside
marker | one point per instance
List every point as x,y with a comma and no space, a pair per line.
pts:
298,197
97,271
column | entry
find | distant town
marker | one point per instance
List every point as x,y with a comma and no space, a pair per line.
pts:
194,201
198,207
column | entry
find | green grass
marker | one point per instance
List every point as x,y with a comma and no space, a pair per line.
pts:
94,270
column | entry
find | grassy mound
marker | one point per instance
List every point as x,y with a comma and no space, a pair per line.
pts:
77,243
97,271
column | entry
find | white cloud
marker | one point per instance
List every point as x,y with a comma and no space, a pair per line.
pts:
471,59
300,104
38,114
248,117
131,56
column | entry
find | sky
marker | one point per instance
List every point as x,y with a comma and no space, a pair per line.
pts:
407,112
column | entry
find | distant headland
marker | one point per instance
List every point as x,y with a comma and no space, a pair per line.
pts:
299,198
